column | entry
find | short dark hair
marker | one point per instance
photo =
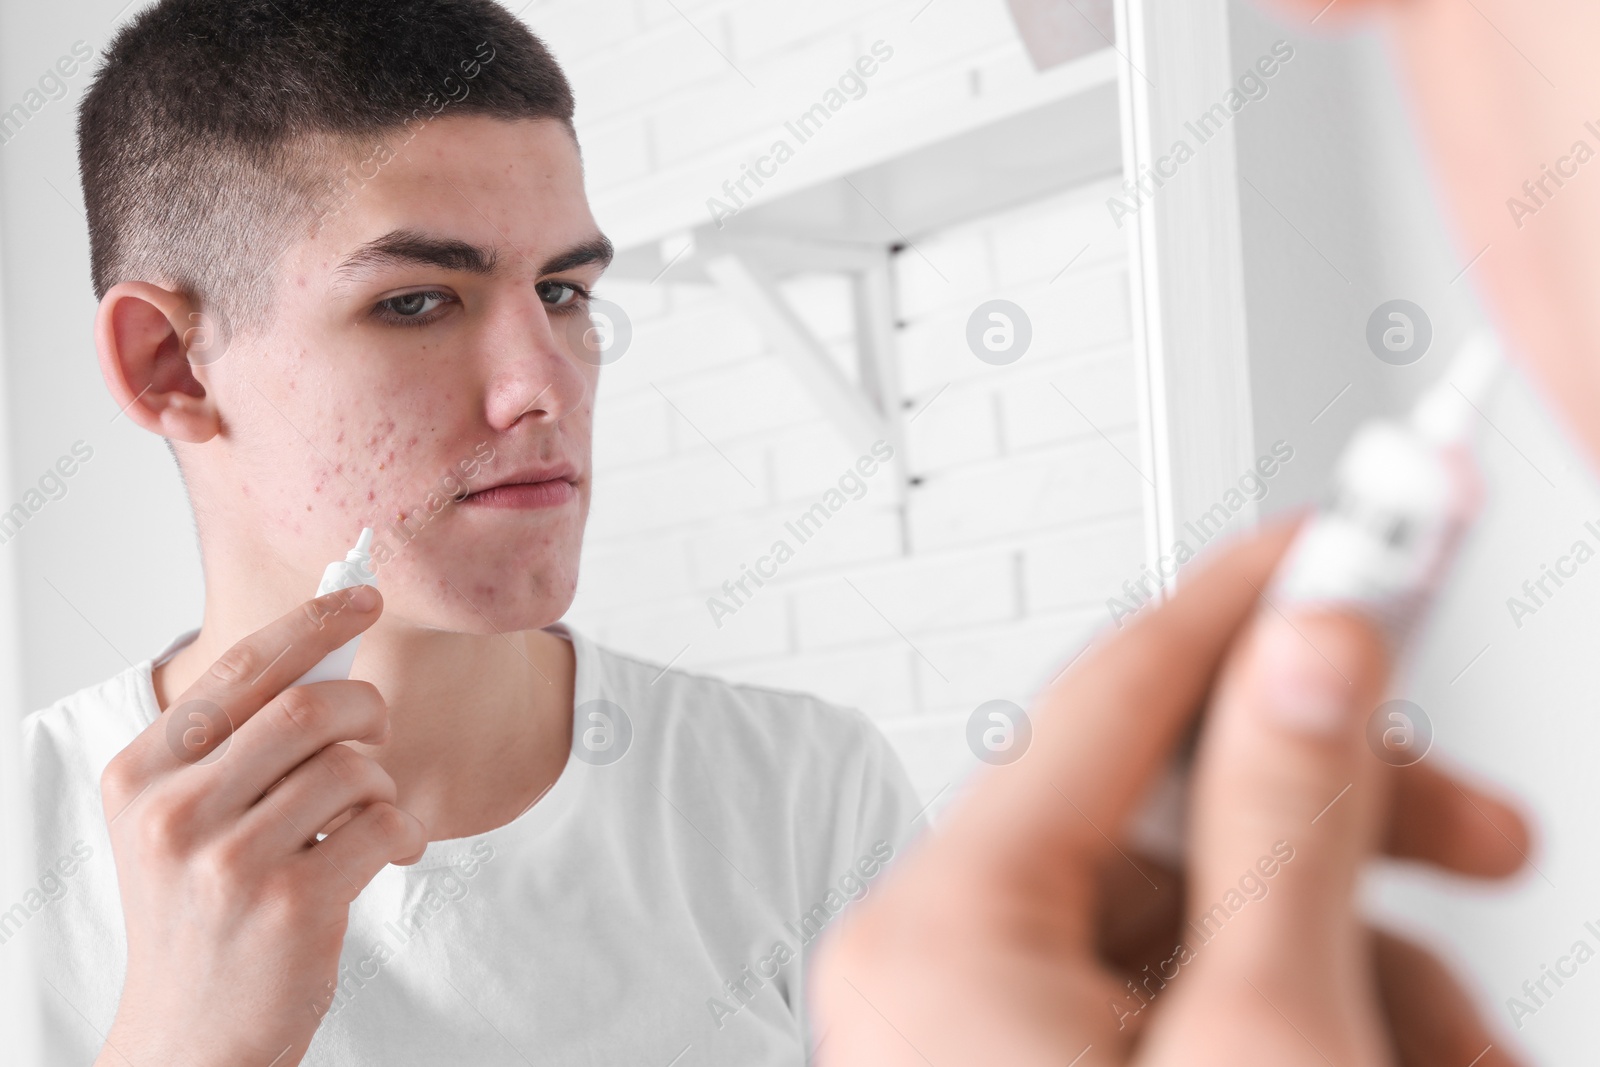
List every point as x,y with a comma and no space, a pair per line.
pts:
216,131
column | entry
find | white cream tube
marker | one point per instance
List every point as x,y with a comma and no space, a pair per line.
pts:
355,569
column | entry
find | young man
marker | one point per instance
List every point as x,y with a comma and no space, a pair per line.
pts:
344,255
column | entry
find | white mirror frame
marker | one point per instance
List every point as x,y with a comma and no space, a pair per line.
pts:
1187,266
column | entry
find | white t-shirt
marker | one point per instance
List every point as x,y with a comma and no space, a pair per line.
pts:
658,909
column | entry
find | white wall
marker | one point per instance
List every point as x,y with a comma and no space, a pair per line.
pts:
18,992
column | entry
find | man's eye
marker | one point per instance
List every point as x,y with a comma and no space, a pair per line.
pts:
563,295
413,305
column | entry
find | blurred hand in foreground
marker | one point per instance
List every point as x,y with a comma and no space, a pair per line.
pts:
1021,931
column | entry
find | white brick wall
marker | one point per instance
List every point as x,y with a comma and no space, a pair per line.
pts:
997,569
1024,514
674,97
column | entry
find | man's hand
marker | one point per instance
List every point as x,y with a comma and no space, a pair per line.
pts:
1022,933
235,912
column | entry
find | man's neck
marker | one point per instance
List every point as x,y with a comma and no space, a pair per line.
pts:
480,724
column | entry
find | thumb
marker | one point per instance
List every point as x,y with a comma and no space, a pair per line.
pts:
1288,803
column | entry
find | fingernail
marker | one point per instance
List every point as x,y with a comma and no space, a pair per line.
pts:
364,598
1301,690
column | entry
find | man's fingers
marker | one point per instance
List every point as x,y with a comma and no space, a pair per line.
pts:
1288,799
376,836
246,677
1140,907
1441,820
295,726
1105,728
1432,1020
324,787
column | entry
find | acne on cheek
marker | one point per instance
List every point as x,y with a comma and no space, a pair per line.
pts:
354,482
365,468
396,474
380,433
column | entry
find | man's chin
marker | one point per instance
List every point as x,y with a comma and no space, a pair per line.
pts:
475,604
487,624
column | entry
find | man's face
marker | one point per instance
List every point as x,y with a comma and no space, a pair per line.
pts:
427,343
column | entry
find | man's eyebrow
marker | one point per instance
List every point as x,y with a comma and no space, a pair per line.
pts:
410,247
597,250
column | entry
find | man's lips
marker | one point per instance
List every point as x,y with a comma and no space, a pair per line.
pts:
550,493
533,488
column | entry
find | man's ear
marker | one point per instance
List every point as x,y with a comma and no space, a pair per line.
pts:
147,337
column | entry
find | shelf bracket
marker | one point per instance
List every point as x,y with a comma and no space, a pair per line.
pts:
861,415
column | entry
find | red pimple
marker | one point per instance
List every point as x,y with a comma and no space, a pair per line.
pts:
371,495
